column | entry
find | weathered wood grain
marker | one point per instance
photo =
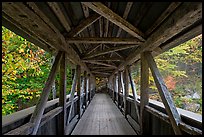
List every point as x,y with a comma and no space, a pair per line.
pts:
78,69
110,50
164,93
38,112
144,100
114,18
101,40
163,16
183,18
57,10
83,25
134,93
102,117
99,63
62,94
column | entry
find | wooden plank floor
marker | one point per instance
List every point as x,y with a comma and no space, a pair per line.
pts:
102,117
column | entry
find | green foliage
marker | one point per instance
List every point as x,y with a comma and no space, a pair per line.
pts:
24,72
181,69
25,69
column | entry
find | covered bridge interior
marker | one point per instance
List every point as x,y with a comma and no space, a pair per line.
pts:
102,40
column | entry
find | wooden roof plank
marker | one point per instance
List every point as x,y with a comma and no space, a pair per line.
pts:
57,10
181,19
36,24
115,18
86,14
163,16
143,9
125,15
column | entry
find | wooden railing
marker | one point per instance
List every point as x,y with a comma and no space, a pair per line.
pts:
159,123
18,122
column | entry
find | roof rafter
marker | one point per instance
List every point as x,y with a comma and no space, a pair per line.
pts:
115,18
106,51
36,22
163,16
98,40
57,10
99,63
83,25
172,26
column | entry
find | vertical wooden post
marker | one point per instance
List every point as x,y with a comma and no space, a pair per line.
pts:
123,89
119,87
171,110
144,96
82,92
89,88
113,95
39,109
78,69
126,90
62,95
116,89
85,89
134,93
71,99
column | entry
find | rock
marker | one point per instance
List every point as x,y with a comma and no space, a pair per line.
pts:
187,96
192,107
196,96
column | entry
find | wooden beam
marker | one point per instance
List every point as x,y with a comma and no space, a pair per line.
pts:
195,31
125,15
71,99
62,95
36,22
165,95
119,88
83,25
106,51
92,49
134,93
143,9
106,24
108,40
101,67
162,17
104,59
99,63
144,95
57,10
126,90
85,89
115,18
86,14
78,69
114,86
183,18
101,27
187,128
38,112
89,88
19,30
103,73
117,53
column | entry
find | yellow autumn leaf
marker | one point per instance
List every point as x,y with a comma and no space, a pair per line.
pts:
21,50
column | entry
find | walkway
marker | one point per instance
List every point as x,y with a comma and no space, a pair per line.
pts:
102,117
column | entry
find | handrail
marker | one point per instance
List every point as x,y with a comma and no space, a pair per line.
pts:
17,116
